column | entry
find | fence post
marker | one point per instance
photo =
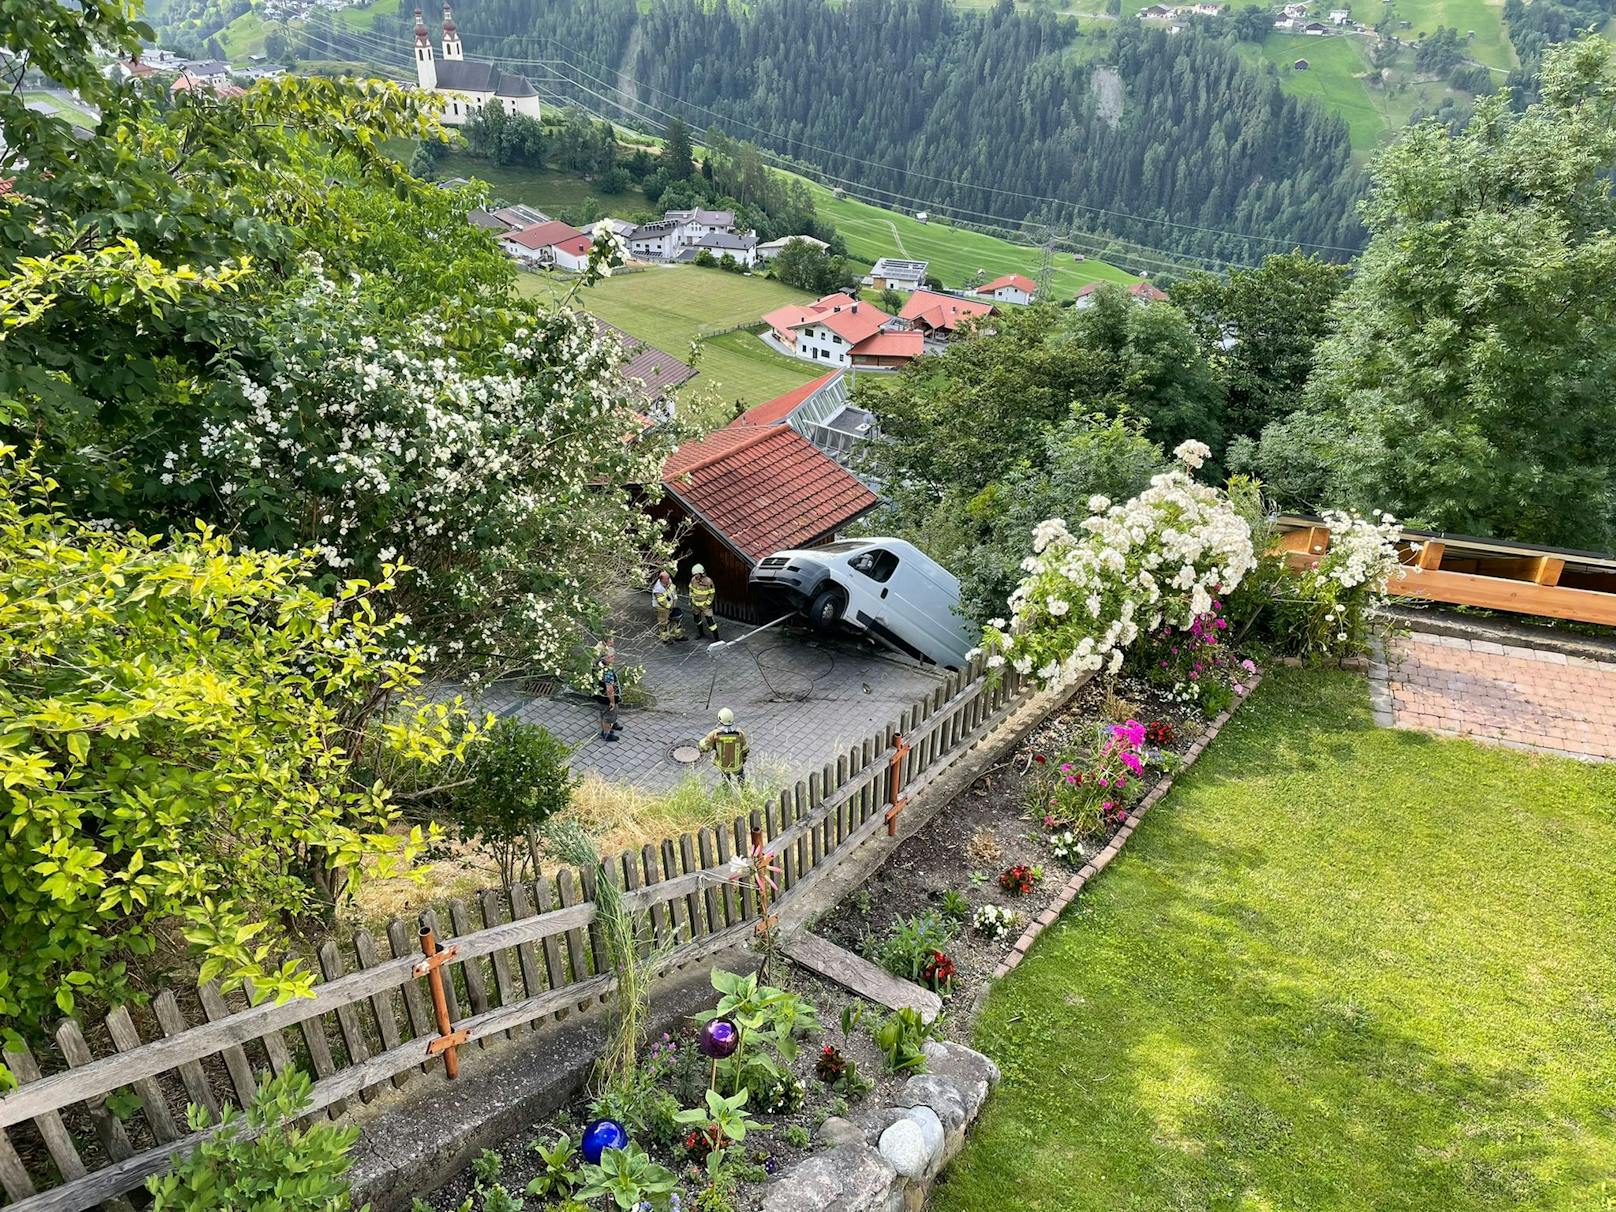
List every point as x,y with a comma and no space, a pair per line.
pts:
432,968
895,797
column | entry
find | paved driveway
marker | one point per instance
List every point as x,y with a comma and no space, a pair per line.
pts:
801,698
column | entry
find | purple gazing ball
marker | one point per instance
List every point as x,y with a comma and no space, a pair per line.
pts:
599,1136
719,1039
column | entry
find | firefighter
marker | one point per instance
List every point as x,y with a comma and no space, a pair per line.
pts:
729,748
702,595
665,598
608,692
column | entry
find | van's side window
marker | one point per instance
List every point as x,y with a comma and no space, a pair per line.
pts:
878,565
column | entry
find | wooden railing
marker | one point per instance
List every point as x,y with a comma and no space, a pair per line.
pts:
110,1110
1466,571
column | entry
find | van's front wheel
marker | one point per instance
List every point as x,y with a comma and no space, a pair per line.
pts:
826,608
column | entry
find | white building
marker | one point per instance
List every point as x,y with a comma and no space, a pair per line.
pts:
771,249
680,234
550,245
467,85
899,275
1012,288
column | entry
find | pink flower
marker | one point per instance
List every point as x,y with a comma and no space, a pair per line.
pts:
1195,677
1132,762
1066,767
1239,689
1049,821
1248,666
1223,624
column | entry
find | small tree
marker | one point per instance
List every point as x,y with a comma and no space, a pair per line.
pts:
513,785
275,1168
676,151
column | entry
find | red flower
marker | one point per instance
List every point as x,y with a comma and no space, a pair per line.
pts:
1039,758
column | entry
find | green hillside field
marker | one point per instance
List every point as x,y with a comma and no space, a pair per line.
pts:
672,307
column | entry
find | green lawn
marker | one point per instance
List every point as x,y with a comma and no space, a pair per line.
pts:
1338,968
1491,44
550,190
61,109
954,253
670,307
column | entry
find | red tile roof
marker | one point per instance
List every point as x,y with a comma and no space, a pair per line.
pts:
763,488
942,313
1019,281
1143,291
891,345
543,235
793,314
774,411
853,324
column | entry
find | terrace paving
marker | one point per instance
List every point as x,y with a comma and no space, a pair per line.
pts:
1524,697
802,699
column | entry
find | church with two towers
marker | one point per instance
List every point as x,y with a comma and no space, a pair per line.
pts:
467,85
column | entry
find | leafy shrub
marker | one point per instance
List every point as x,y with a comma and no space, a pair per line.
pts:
514,783
279,1168
902,1037
768,1020
910,944
954,906
558,1168
629,1179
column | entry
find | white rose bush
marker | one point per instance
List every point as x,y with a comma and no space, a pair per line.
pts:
494,453
1158,560
1326,609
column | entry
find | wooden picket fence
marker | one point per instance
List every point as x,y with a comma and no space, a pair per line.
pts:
105,1109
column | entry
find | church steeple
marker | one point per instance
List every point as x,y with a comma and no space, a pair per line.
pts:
451,36
426,71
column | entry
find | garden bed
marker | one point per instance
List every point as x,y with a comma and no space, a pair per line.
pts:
962,860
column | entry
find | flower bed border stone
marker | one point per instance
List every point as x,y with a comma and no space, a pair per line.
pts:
1119,839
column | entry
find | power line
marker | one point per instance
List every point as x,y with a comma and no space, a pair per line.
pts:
1143,255
1022,195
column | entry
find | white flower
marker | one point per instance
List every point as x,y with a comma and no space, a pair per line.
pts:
1192,453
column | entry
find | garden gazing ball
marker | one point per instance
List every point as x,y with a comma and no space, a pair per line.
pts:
599,1136
719,1039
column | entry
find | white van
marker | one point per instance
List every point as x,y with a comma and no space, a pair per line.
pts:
884,588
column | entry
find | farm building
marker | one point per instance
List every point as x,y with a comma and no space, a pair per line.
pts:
548,245
937,317
839,330
1011,288
896,274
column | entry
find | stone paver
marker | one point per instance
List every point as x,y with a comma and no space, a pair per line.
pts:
1525,698
802,699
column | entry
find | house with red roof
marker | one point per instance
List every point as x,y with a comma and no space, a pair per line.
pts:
1011,288
938,316
841,331
551,244
746,491
1140,292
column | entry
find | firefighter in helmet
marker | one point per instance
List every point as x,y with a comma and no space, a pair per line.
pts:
665,598
703,593
729,747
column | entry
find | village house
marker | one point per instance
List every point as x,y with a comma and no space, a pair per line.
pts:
841,331
1301,65
770,249
746,491
720,244
1340,16
892,273
937,317
1140,292
549,245
1156,12
688,231
821,411
467,85
1315,28
1012,288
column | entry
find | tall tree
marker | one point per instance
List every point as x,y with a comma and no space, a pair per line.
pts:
676,151
1469,384
1260,330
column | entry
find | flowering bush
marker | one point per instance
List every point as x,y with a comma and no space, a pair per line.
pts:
1020,879
995,921
1155,561
1068,848
1325,610
496,465
1087,791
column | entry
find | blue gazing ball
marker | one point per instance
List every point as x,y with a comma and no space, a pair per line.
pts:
599,1136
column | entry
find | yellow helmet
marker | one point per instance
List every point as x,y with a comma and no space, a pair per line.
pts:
697,570
726,716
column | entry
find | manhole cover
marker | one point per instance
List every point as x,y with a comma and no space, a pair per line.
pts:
686,754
